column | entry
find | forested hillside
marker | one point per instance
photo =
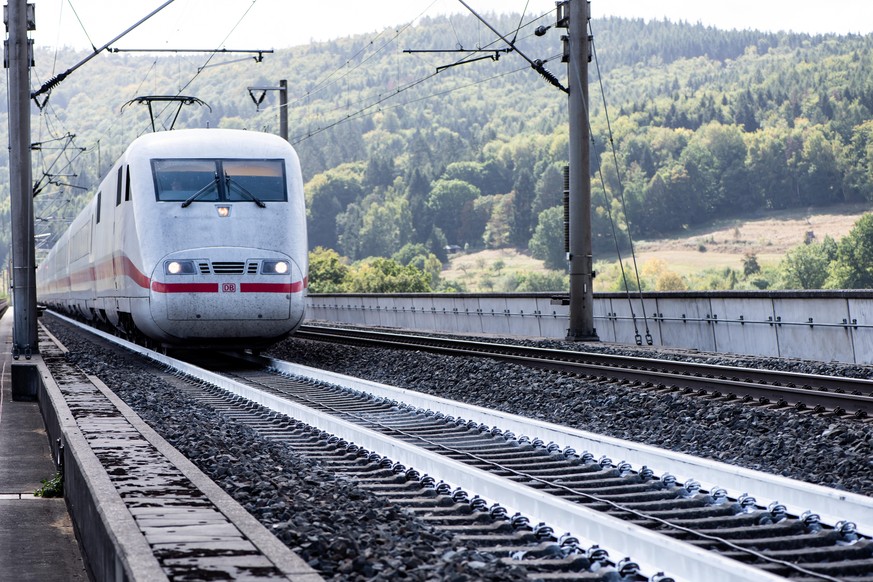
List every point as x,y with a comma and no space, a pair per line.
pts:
397,151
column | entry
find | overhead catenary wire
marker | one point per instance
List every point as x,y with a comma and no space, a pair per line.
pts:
46,88
380,98
371,103
365,111
535,65
379,101
54,81
81,24
324,83
48,119
205,64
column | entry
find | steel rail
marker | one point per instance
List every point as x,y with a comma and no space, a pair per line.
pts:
822,393
832,505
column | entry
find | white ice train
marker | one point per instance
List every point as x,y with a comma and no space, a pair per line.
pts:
196,238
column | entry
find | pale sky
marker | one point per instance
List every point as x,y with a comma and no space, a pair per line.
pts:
274,24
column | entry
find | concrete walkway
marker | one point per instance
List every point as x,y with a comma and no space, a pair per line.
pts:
37,541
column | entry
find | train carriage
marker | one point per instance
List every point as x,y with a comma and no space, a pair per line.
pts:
195,238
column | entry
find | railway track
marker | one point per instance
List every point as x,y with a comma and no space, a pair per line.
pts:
678,525
779,389
168,520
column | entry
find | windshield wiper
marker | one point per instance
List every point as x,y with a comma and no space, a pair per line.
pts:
201,191
231,182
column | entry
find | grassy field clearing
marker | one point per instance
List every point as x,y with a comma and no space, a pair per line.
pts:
768,236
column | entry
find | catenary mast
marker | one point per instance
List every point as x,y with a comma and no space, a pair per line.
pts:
580,254
19,52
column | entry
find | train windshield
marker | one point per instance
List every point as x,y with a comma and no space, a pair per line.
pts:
258,179
190,181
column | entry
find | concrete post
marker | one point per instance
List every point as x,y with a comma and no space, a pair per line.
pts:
580,254
24,339
283,109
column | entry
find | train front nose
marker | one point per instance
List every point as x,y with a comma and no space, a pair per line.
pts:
226,294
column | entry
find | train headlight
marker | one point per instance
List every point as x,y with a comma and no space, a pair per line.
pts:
275,268
180,268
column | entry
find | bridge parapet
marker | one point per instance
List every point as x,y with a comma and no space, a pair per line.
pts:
815,325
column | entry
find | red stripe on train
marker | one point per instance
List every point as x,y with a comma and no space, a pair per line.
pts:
159,287
123,265
271,287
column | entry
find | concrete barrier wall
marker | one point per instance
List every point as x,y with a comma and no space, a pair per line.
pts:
815,325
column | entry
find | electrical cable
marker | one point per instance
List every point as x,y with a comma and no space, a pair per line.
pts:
363,109
380,98
621,194
81,24
201,68
324,83
577,71
362,112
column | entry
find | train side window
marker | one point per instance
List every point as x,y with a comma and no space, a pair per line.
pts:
97,210
118,185
80,245
127,184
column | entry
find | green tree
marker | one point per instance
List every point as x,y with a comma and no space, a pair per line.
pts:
327,196
499,230
417,191
488,176
806,266
410,252
715,162
449,201
767,162
376,227
860,171
853,266
387,225
418,256
670,203
547,282
547,243
327,271
750,264
549,189
521,225
348,228
381,275
820,176
380,172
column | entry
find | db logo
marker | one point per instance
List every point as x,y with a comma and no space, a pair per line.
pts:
228,287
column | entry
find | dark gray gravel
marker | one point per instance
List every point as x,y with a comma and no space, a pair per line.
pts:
344,532
828,451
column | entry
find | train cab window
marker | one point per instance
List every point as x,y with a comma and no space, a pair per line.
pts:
190,181
254,179
127,184
97,209
181,180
